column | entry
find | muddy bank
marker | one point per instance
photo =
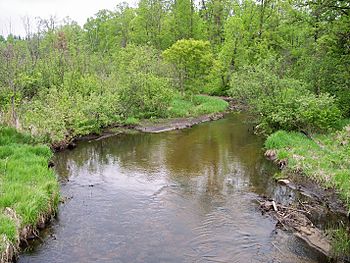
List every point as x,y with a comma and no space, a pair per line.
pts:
327,197
26,234
175,124
313,215
296,218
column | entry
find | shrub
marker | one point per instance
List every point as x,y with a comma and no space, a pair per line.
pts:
297,110
145,96
191,60
283,103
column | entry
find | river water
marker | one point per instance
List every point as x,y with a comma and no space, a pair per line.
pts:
181,196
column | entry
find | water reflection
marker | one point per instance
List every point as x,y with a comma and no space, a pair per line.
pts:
182,196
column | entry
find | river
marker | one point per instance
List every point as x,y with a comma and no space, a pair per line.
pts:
182,196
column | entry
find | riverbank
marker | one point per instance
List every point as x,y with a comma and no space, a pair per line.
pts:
183,113
148,126
29,191
323,159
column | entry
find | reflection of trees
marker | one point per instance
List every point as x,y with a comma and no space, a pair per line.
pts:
215,152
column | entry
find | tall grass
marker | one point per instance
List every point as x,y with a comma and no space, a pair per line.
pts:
29,189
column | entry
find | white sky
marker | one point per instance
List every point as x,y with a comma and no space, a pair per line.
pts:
12,11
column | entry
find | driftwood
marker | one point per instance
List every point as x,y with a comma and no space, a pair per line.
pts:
295,219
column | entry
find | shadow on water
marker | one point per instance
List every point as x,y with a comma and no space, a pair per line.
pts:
181,196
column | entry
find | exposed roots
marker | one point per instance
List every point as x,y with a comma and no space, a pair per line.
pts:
295,219
10,250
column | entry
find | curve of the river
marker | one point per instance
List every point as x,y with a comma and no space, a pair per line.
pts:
181,196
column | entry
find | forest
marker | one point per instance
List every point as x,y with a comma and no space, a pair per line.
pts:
288,61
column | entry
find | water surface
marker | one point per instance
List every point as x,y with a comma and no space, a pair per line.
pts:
181,196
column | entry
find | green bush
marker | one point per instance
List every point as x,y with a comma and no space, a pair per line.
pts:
145,91
297,110
145,96
283,103
191,61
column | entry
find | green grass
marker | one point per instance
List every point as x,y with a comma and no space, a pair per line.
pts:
324,158
196,105
131,121
341,242
29,190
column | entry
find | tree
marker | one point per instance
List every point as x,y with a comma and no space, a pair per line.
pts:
191,60
13,56
147,24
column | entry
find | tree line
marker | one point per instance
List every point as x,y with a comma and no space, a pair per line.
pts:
288,59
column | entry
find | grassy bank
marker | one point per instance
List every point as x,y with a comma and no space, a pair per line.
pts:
196,106
324,158
29,189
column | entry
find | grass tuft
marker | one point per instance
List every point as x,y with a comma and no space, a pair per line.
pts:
341,242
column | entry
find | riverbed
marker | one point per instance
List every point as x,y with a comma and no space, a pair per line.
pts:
181,196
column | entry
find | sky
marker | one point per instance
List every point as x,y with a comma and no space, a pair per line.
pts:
12,12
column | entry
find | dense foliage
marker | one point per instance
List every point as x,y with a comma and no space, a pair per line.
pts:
284,103
290,60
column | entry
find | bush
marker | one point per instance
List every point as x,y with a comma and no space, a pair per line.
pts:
297,110
191,60
81,106
145,96
283,103
145,91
